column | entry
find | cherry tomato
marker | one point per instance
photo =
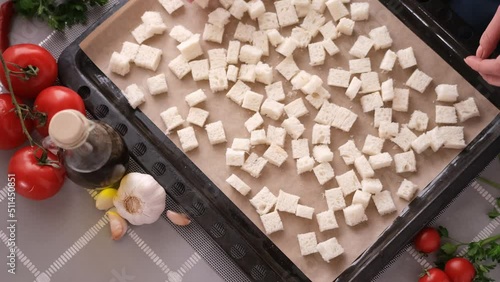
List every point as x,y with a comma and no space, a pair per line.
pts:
22,57
460,270
32,180
427,240
11,131
52,100
434,275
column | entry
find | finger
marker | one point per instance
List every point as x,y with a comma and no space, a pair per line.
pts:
492,79
489,66
490,37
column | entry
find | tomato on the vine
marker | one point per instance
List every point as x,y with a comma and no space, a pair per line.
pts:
427,240
32,68
11,131
460,270
53,100
36,178
434,275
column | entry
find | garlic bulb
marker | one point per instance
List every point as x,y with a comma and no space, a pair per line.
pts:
140,199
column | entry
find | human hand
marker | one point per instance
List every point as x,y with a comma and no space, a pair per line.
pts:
489,69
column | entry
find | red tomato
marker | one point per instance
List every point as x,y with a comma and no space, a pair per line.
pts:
460,270
52,100
11,132
23,56
434,275
35,181
427,240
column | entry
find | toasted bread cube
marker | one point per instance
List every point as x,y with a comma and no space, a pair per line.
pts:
353,88
199,69
330,249
371,185
268,21
134,95
237,92
119,64
275,91
261,41
254,122
346,26
447,92
466,109
258,137
321,134
406,58
276,135
305,164
354,215
418,121
422,143
263,201
407,190
382,115
304,211
129,50
381,37
233,52
384,203
348,182
148,57
300,79
404,138
363,167
234,158
217,58
296,108
387,90
307,243
293,127
286,13
238,9
288,68
317,99
370,82
171,5
179,66
330,47
317,54
171,118
349,152
371,101
312,22
218,80
326,220
380,160
254,165
274,37
361,197
219,17
419,81
446,114
142,33
250,54
360,65
232,73
301,36
247,73
324,173
252,101
287,202
322,154
373,145
241,144
314,83
213,33
264,73
453,136
329,31
337,9
401,100
405,162
388,130
335,199
187,137
197,116
275,155
361,47
256,9
272,222
180,33
287,47
238,184
272,109
387,63
244,32
339,78
300,148
360,11
191,48
215,132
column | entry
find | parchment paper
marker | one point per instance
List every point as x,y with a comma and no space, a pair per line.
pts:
211,159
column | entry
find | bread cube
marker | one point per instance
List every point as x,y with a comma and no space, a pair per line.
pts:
275,155
339,78
302,7
157,84
293,127
405,162
154,22
330,47
187,137
238,184
274,37
371,101
129,50
226,3
287,15
252,101
382,115
148,57
361,47
407,190
171,118
305,164
254,122
380,160
218,80
233,52
232,73
387,90
401,100
296,108
197,116
404,138
311,86
421,143
370,82
288,68
360,65
250,54
326,220
191,48
354,215
320,134
237,92
195,98
300,80
384,203
275,91
329,31
387,63
234,158
301,36
335,199
371,185
337,9
453,136
388,130
179,66
199,69
447,92
272,222
360,11
348,182
362,198
261,42
287,202
381,38
238,9
353,88
215,132
263,73
446,115
349,152
466,109
322,154
171,5
287,47
219,17
307,243
276,135
254,165
317,54
268,21
142,33
247,73
180,33
346,26
330,249
363,167
312,22
256,9
324,173
119,64
134,95
241,144
418,121
373,145
217,58
304,211
213,33
263,201
272,109
318,5
419,81
300,148
258,137
406,58
316,99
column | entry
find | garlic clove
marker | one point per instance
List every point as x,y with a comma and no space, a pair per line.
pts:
117,224
178,218
104,200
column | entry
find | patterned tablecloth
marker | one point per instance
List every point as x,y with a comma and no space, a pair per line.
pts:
66,239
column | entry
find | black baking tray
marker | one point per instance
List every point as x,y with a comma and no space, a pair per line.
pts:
251,249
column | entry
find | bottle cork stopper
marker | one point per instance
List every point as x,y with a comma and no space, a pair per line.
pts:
69,129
